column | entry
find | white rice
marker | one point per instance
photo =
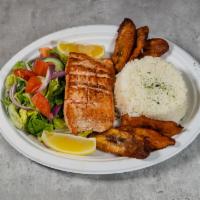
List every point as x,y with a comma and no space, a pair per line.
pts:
151,87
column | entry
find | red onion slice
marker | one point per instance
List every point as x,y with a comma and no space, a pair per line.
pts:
56,109
58,74
48,77
14,101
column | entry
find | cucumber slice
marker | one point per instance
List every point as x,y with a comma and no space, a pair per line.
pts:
14,116
58,64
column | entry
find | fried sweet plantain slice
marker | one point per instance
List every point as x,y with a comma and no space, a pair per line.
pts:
122,143
155,139
155,47
142,35
124,43
167,128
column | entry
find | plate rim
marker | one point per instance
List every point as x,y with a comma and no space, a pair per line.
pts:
42,162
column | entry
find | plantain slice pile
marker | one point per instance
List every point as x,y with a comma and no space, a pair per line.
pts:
124,43
132,43
138,136
132,142
155,140
155,47
142,35
122,143
167,128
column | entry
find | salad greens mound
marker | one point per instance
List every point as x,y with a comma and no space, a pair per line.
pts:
34,93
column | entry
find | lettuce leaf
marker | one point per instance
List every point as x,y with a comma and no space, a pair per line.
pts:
55,92
20,84
85,133
6,101
53,86
23,116
10,80
20,65
24,99
36,124
15,117
59,123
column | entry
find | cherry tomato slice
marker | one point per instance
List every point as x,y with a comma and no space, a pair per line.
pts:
42,104
40,67
24,73
33,84
44,52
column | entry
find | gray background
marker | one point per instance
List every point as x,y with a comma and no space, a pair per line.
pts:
22,22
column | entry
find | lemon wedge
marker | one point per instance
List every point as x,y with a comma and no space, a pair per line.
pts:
67,143
95,51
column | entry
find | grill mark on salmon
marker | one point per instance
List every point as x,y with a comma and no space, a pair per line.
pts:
83,73
92,81
92,87
81,68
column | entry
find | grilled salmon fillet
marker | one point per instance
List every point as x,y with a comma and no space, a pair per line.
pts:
89,103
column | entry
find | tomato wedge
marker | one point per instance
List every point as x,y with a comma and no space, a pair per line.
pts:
33,84
40,67
42,104
24,73
44,52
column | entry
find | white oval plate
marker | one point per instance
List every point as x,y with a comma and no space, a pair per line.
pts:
99,162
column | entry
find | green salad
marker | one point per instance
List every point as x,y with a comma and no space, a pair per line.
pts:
34,93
